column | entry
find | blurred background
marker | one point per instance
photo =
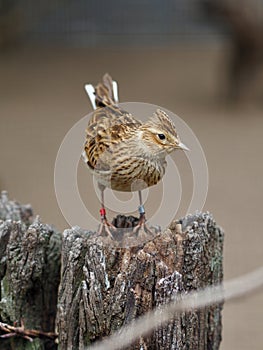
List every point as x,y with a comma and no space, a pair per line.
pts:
203,60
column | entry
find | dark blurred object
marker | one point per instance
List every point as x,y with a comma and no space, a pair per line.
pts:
244,20
18,19
82,23
10,23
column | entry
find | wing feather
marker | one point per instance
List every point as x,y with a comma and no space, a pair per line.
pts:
107,127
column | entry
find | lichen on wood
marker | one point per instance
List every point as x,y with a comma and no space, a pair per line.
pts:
105,287
29,272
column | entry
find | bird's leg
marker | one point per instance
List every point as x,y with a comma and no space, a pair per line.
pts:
105,224
142,219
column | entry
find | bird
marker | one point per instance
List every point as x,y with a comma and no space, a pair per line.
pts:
122,152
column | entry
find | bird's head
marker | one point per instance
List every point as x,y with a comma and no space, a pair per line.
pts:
160,136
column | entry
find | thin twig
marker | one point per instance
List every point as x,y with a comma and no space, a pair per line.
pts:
28,334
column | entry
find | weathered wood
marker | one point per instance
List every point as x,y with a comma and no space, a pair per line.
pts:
29,273
12,210
105,287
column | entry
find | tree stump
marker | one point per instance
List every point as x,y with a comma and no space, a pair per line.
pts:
29,273
105,287
101,286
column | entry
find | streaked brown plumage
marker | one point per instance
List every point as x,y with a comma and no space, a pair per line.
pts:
122,152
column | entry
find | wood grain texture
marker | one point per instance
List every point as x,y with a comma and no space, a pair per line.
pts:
29,273
105,287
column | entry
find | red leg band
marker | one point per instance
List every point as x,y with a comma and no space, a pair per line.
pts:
102,212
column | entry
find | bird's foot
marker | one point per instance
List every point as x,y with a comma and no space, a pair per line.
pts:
105,225
141,228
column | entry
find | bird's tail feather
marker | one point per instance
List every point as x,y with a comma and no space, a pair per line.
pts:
104,94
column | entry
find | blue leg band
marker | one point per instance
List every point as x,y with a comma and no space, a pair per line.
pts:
141,209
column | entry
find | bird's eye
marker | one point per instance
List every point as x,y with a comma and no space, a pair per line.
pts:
161,136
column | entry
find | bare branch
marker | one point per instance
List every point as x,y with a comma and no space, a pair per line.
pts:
28,334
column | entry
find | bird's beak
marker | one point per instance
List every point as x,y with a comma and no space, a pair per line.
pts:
183,147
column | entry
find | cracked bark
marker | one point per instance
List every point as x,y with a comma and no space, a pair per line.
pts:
103,286
29,273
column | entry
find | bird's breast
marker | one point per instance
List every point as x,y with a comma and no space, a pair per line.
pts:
130,172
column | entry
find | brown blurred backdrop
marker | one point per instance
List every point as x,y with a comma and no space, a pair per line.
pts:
192,58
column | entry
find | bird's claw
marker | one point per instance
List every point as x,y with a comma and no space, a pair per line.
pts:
141,228
106,226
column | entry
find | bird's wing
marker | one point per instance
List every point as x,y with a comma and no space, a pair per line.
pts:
107,127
